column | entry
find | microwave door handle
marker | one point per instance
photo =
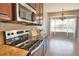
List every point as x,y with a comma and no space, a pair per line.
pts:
33,16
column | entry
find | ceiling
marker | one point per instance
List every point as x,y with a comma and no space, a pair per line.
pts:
55,7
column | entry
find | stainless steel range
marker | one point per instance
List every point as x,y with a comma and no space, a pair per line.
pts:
16,37
20,39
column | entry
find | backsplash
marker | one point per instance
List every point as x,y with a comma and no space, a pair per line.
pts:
11,26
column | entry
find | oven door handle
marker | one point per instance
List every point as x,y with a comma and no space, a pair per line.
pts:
36,48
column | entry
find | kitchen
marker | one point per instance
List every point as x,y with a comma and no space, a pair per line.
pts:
21,29
39,29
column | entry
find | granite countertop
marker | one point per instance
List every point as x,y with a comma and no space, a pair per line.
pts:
6,50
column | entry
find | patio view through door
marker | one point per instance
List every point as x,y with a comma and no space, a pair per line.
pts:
63,28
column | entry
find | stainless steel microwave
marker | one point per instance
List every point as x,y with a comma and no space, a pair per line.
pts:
25,13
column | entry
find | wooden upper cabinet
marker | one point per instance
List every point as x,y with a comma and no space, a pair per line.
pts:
38,8
5,11
33,5
39,11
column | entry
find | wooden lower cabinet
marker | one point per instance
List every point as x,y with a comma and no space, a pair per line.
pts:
45,45
1,38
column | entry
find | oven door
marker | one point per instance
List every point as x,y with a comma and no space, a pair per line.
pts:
38,49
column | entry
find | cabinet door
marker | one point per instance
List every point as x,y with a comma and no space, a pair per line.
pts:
37,8
39,11
39,15
5,11
45,45
1,38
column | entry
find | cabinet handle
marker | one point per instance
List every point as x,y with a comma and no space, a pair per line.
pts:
36,49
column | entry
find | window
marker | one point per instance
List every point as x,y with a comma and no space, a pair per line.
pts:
66,25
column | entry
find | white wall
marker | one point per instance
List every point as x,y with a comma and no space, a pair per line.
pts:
45,20
55,7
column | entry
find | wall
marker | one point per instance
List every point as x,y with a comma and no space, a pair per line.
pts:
45,21
11,26
56,7
69,12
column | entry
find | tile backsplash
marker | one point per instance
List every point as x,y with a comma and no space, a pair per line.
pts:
11,26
